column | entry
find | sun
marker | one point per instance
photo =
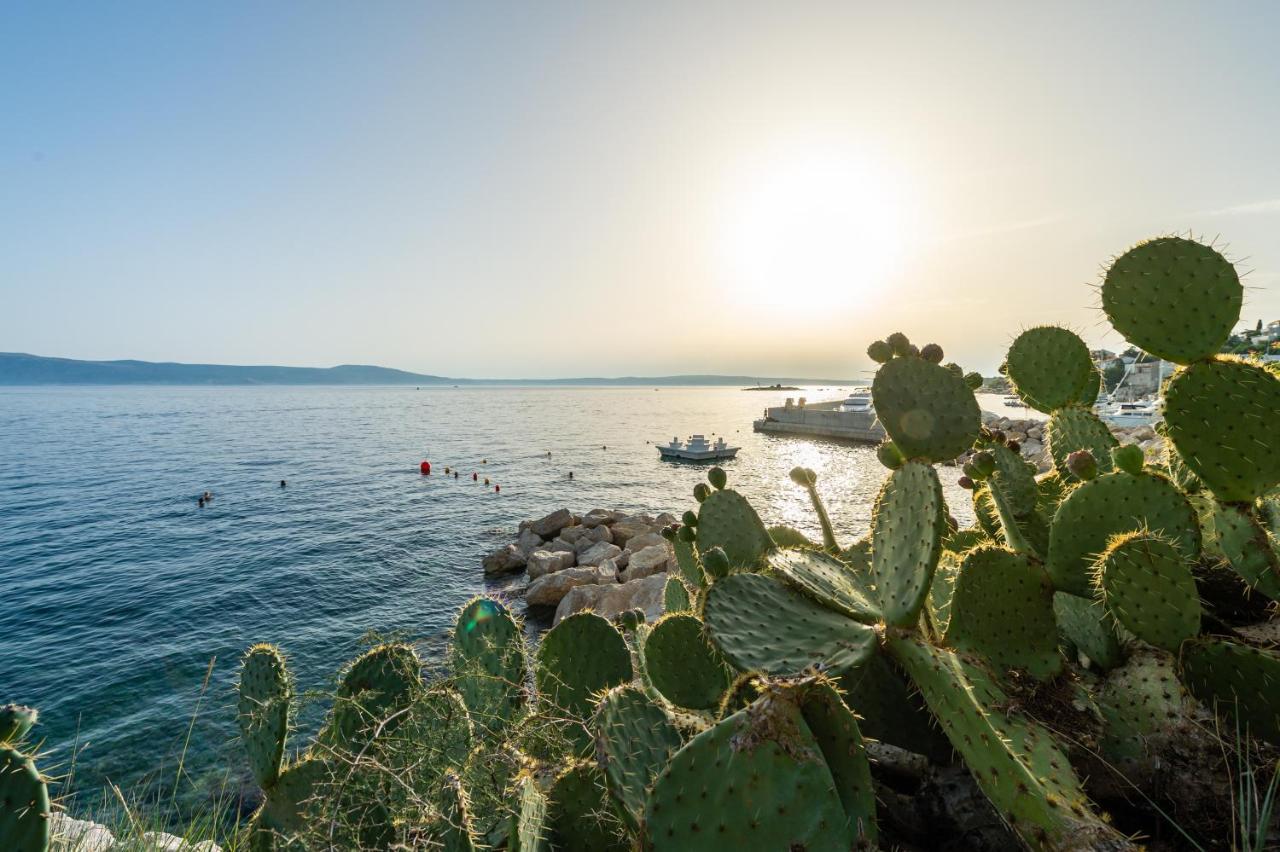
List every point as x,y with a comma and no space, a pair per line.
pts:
812,230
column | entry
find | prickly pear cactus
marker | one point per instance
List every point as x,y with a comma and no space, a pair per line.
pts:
24,803
906,540
579,813
289,804
928,410
1174,298
529,828
1234,536
687,562
1110,505
1050,368
634,741
675,595
760,624
828,581
683,665
15,722
453,832
835,731
1002,610
489,663
784,536
1139,700
807,479
1015,479
757,780
1084,625
374,689
1220,416
1239,681
263,711
581,656
1015,762
1071,429
1147,586
726,520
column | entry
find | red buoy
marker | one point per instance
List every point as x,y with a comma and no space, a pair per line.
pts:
497,488
473,477
425,467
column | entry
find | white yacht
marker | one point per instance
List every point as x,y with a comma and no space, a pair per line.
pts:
1143,412
858,402
697,448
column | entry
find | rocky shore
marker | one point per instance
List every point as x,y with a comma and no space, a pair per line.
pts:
606,561
1030,436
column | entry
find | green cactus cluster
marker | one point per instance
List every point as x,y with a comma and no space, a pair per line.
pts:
25,809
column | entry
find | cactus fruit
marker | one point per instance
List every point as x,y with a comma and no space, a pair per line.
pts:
981,465
760,624
1241,681
1002,610
726,520
263,711
932,353
1109,505
453,832
375,688
683,666
1233,535
1220,416
1147,586
1174,298
529,822
928,411
1014,761
15,722
701,492
579,815
24,803
578,658
784,536
675,595
898,343
1050,368
1128,458
630,620
1082,465
757,780
835,731
489,663
1083,623
1072,430
906,540
634,740
687,562
828,581
879,351
889,455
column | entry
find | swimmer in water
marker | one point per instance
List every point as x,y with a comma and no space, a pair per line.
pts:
455,474
200,502
282,483
571,474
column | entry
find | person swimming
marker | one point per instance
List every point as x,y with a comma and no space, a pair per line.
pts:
282,483
571,474
200,501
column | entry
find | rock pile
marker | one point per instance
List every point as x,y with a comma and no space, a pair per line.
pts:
1030,436
606,561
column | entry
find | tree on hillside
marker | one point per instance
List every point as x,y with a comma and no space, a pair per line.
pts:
1112,375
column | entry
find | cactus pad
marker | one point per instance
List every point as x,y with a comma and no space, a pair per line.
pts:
452,831
928,411
890,709
1147,586
760,624
290,800
529,823
579,814
263,711
579,657
435,736
906,540
835,731
687,562
15,722
1174,298
827,580
489,663
1050,368
1234,535
1016,479
1084,624
726,520
1071,429
374,689
683,665
1015,761
24,804
1138,700
1109,505
634,741
675,595
1220,415
784,536
1002,610
756,780
1242,681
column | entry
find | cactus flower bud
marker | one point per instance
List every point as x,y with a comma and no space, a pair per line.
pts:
973,380
1083,465
669,532
631,619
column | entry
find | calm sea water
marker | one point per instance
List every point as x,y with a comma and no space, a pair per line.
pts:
119,592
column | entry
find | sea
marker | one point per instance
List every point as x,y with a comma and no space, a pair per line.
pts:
125,606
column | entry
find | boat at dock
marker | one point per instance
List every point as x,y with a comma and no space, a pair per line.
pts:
852,418
858,402
697,448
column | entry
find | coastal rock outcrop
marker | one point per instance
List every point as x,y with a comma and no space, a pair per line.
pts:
543,562
504,560
613,599
598,552
647,562
548,526
550,589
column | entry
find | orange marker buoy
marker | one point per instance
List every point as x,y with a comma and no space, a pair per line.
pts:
425,467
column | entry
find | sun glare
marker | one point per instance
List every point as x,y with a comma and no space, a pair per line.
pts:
812,231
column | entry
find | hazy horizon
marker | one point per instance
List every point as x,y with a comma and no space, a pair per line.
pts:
591,190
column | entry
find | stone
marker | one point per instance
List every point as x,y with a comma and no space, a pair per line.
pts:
548,526
607,572
504,560
666,519
79,834
629,528
640,542
609,600
573,534
598,552
528,542
557,545
647,562
542,562
596,517
592,537
1030,449
1143,433
550,589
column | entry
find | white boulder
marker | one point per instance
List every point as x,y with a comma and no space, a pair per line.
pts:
548,526
608,600
543,562
503,560
646,562
550,589
598,552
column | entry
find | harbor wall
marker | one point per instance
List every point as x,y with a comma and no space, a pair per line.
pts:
822,419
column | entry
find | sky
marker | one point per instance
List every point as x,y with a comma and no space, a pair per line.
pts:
594,189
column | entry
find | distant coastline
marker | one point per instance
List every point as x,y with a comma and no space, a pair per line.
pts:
773,388
20,369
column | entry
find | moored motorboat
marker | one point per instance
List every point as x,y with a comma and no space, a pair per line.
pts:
697,448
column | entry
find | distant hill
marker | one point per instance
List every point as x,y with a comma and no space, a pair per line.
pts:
21,369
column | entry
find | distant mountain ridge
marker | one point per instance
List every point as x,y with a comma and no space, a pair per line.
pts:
18,368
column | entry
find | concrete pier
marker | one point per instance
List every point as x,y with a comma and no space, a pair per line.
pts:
822,419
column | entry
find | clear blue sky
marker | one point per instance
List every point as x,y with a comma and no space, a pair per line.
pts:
546,189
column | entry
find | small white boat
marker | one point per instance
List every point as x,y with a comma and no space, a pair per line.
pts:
1141,413
697,448
858,402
